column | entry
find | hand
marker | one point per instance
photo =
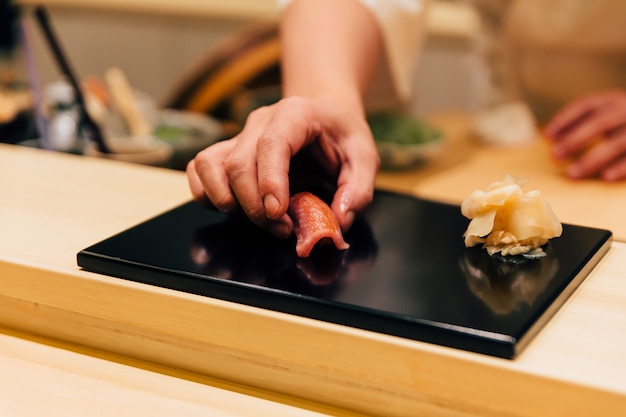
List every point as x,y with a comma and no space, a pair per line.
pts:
592,132
250,172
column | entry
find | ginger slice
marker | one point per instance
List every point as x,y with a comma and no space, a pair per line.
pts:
507,221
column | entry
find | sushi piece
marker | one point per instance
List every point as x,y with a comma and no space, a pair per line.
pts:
314,224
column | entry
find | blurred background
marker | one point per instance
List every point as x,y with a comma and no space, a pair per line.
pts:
155,42
168,51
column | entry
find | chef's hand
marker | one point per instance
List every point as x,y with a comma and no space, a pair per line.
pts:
591,132
250,172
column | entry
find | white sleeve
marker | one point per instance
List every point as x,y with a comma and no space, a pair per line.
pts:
402,26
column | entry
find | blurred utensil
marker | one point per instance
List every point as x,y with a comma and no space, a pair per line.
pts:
124,98
88,126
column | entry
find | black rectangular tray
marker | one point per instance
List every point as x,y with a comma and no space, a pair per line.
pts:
407,272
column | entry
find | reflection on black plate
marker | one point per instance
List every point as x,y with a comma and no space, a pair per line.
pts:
507,284
407,272
219,248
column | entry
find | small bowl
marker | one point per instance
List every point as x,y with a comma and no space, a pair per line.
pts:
140,150
403,156
188,133
403,141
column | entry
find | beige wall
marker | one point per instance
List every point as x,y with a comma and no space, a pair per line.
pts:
154,48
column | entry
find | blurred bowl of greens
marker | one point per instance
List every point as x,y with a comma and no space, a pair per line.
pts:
404,141
188,133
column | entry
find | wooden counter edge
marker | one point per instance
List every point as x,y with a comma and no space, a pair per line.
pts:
292,357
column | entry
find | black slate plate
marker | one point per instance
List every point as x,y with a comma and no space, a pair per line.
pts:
407,272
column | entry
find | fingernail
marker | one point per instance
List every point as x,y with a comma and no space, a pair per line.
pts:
271,205
349,218
345,209
344,203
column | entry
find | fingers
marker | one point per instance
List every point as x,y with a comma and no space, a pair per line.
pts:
343,143
250,172
588,131
616,170
606,159
580,123
602,115
350,199
286,133
241,168
207,177
592,130
573,112
225,176
356,180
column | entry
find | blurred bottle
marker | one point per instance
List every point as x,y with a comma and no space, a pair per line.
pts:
63,118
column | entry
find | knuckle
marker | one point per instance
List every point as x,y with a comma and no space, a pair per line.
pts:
257,115
298,108
235,168
275,143
224,202
203,159
257,214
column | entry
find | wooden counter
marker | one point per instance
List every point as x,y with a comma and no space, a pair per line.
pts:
466,165
80,339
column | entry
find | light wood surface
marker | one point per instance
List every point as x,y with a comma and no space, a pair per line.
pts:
43,380
465,165
96,335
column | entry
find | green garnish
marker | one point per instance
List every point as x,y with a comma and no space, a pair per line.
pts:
401,129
